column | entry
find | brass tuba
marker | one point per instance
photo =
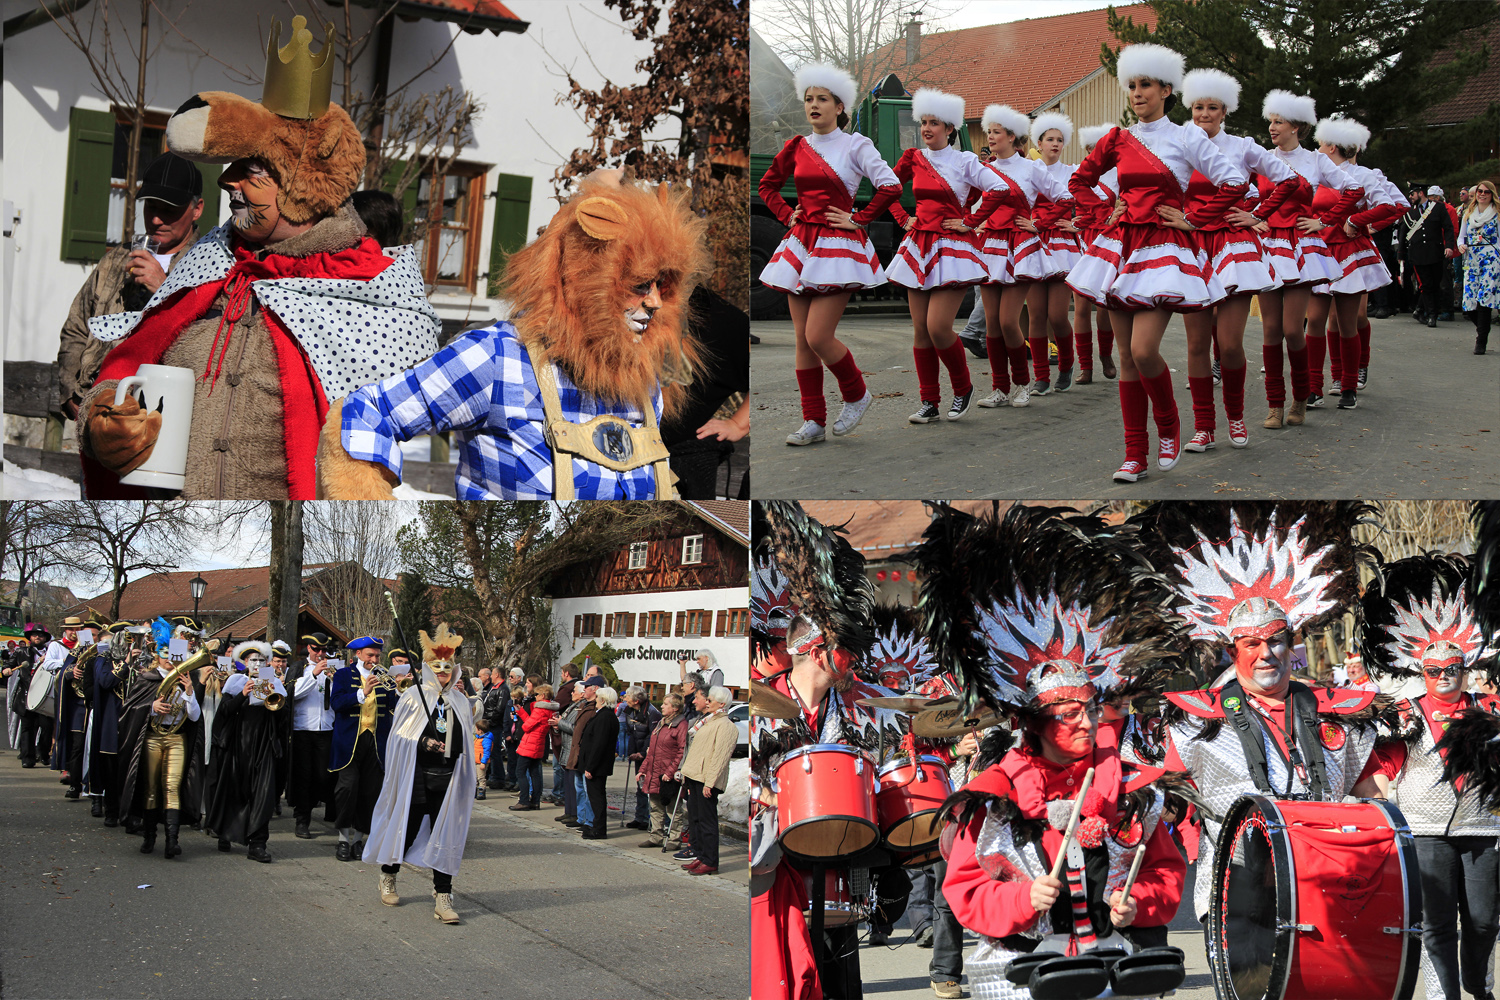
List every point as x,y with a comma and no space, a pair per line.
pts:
167,689
84,654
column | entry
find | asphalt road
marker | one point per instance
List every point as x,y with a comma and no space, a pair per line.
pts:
1427,426
545,914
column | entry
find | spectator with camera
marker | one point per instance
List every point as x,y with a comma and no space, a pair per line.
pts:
534,719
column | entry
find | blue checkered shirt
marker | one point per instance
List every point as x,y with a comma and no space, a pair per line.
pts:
481,387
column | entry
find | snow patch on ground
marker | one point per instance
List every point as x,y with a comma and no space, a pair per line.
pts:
34,484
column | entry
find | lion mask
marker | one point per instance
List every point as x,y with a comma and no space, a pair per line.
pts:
570,287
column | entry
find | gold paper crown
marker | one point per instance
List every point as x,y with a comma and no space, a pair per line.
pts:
298,84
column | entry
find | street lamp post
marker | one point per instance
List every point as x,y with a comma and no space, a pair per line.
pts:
199,587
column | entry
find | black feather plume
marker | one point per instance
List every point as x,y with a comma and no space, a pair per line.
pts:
1471,751
827,577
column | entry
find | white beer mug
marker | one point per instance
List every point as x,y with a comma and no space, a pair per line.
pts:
169,391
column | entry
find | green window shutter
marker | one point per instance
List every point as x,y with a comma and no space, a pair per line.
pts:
211,192
91,148
512,212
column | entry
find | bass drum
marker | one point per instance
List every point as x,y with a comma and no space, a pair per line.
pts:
1315,901
825,794
39,693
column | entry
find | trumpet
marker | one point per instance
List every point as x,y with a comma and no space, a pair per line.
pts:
265,689
370,710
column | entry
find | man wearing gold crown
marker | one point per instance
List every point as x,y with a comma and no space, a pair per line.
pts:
425,803
280,311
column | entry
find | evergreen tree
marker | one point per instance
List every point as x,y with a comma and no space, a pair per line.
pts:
414,609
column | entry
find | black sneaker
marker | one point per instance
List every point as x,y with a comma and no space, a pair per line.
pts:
1314,399
1364,376
1348,400
686,854
960,405
976,346
926,415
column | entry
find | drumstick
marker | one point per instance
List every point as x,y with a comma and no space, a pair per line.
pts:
1135,869
1062,853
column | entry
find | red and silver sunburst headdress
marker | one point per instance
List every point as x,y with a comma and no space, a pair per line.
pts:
1417,613
771,607
1043,605
825,581
1256,569
900,658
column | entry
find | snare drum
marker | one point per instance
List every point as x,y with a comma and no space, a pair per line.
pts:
838,898
825,801
1315,900
908,801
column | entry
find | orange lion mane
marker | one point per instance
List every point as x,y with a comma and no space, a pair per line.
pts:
569,286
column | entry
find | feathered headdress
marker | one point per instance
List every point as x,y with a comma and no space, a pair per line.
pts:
832,79
1008,118
1290,107
1257,568
948,108
1050,120
1214,85
161,633
442,647
1090,135
1416,610
825,578
1484,569
252,646
900,658
771,607
1042,605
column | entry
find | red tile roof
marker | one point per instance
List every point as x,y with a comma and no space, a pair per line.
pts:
1479,91
731,514
230,591
253,625
1025,64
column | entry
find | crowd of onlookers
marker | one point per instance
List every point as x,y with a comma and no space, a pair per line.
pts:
677,753
1445,255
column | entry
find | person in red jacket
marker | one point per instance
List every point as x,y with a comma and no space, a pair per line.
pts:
535,721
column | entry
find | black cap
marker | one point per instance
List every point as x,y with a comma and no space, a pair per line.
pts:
171,179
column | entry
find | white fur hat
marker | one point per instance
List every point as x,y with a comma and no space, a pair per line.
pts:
830,78
1343,132
1154,62
253,646
1211,84
1007,118
944,107
1090,135
1050,120
1288,106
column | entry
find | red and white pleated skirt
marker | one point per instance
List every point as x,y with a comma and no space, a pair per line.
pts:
1239,261
820,260
1295,258
926,261
1364,270
1063,252
1014,255
1132,268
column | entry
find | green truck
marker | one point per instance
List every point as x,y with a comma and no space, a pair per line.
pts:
12,626
885,116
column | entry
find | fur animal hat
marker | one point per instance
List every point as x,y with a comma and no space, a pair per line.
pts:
1290,107
253,646
317,159
569,286
947,108
1007,118
1153,62
832,79
1345,133
1212,84
1090,135
1050,120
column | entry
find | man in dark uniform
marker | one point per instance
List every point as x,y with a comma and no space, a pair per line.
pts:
1426,237
359,735
112,675
36,727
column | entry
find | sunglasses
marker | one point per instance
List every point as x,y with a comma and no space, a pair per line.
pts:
1436,672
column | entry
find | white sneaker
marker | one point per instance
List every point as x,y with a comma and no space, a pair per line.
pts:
997,398
851,414
809,433
1020,396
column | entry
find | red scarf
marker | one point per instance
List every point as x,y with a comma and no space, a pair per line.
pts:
304,405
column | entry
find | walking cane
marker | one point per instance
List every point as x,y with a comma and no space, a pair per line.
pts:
667,827
626,795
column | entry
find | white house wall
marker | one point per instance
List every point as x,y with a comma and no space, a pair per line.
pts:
523,130
654,658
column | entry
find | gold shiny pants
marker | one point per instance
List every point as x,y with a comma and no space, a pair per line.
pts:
165,760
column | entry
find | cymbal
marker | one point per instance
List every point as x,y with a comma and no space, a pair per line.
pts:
905,704
944,723
769,703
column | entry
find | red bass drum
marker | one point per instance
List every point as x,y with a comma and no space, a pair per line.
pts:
1315,901
825,800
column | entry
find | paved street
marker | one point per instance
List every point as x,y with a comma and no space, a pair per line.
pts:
546,915
1428,425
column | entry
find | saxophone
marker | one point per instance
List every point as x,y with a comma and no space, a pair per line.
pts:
167,689
79,658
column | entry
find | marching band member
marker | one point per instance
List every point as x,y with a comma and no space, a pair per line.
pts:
1299,258
70,702
112,674
1092,216
424,807
1248,577
36,727
160,736
1052,220
940,255
826,254
1147,267
1235,253
311,703
1340,139
1419,620
247,737
363,701
1014,256
1039,615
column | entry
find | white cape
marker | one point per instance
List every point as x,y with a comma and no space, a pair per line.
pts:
439,846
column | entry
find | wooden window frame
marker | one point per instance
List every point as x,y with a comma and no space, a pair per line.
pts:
686,541
644,549
697,627
738,622
475,174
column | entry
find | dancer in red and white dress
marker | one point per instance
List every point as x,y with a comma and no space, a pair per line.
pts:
1341,139
1015,257
1092,217
826,255
1236,255
1052,218
1297,256
1146,268
940,255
